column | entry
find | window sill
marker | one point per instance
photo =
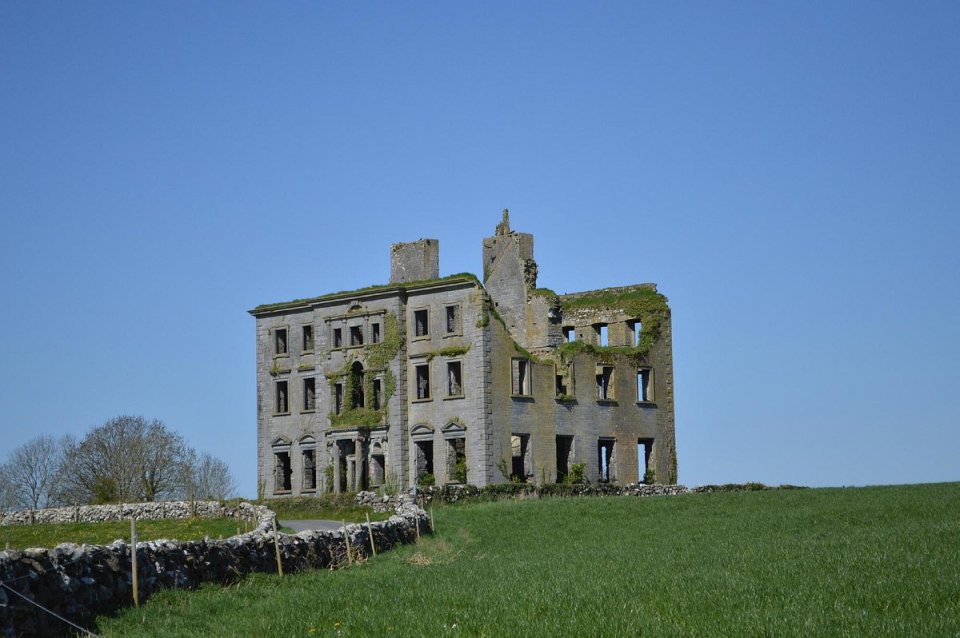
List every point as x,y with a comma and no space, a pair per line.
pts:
309,491
647,404
454,396
607,402
281,414
310,351
521,397
424,400
459,333
313,411
281,355
565,399
282,492
420,338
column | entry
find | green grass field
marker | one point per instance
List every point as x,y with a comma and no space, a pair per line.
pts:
51,534
863,562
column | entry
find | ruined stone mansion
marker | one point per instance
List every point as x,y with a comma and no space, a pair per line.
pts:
447,379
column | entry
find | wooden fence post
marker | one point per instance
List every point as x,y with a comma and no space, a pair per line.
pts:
133,560
373,545
276,545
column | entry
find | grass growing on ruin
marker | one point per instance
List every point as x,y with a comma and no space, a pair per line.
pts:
328,507
869,561
52,534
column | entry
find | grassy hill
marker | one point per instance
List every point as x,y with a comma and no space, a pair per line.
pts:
867,561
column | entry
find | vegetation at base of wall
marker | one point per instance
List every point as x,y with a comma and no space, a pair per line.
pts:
426,480
650,476
576,474
283,305
52,534
460,471
327,507
645,304
823,562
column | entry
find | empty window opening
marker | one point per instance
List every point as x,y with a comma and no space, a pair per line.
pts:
281,404
636,329
377,398
309,470
337,338
356,385
377,469
356,335
605,460
421,323
602,336
456,460
561,386
564,457
569,334
280,341
453,319
424,459
521,467
309,394
281,471
521,377
308,338
338,398
645,471
604,382
644,384
375,333
454,379
423,381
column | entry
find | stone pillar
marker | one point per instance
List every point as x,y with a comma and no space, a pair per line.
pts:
337,488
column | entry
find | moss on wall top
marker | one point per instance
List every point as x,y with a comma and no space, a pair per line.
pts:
642,302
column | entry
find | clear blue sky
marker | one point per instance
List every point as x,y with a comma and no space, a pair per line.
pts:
788,173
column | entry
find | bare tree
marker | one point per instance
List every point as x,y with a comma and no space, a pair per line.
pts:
212,479
128,459
30,476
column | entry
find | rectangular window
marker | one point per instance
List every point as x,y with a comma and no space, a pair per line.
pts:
281,404
308,338
423,381
309,394
356,335
337,338
602,338
280,341
454,379
605,461
561,386
564,456
569,334
636,329
644,384
521,467
374,333
377,398
309,470
604,382
453,319
520,377
421,323
281,471
338,398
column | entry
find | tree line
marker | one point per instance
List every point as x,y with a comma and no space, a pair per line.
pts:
127,459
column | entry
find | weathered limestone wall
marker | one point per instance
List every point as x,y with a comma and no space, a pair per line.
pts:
415,261
152,511
82,581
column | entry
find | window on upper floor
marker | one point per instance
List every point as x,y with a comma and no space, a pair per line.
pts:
309,394
602,337
569,334
377,399
520,377
356,335
307,342
422,376
454,379
338,398
645,384
605,383
281,398
453,319
337,337
421,323
635,330
375,332
280,341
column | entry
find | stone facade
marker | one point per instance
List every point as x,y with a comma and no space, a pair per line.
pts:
450,380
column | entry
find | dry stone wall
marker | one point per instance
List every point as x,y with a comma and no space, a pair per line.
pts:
79,582
141,511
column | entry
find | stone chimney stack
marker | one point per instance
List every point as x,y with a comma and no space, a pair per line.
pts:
510,275
414,261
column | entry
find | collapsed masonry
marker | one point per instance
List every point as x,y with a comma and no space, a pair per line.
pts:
447,380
